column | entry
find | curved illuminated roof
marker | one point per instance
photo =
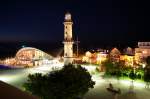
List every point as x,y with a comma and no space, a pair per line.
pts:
33,51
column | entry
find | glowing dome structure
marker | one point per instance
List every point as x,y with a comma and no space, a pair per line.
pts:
29,56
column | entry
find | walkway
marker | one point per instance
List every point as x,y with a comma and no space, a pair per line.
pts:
100,92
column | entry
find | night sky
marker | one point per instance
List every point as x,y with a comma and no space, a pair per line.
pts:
96,22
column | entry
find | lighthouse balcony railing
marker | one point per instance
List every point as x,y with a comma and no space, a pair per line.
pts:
68,40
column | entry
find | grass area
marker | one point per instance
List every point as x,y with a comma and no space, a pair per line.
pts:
122,78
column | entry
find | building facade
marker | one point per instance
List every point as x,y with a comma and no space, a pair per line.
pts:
29,56
142,52
114,55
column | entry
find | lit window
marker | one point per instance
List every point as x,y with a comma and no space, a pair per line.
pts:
144,52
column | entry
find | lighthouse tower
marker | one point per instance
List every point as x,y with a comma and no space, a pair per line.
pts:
68,41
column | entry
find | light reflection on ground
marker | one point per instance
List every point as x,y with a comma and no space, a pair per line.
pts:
99,91
19,76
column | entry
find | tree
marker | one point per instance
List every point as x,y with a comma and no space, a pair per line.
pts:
147,72
140,73
148,60
147,76
132,76
68,83
118,69
126,71
118,74
109,67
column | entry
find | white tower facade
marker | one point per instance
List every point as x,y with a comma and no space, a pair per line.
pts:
68,41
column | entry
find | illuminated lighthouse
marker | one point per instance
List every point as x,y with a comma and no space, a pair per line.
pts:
68,41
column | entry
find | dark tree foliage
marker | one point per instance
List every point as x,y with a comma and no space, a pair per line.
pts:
113,68
147,75
147,71
118,74
132,75
68,83
148,60
109,66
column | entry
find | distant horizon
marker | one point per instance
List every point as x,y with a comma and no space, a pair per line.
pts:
9,49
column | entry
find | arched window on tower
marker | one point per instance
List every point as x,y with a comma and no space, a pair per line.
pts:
65,54
66,36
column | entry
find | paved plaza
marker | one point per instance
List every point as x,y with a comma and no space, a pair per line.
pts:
18,77
100,92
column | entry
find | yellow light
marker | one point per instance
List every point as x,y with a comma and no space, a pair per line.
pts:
144,52
88,54
143,65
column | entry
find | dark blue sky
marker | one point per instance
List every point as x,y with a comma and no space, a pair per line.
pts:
95,21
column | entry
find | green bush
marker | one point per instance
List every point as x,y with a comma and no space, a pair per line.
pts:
68,83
